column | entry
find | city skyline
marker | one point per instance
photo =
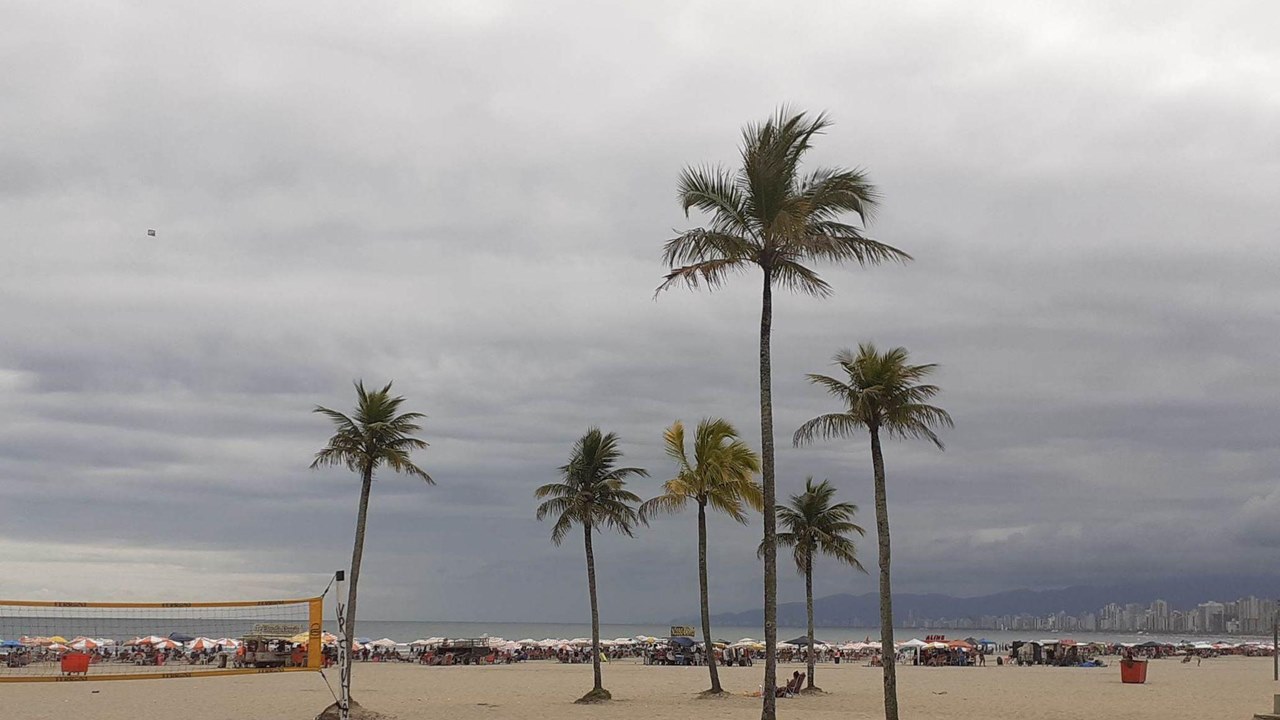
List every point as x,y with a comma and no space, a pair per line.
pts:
1244,616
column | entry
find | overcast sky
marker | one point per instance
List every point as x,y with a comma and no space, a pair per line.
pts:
470,198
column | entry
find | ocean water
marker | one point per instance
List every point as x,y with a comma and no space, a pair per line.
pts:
408,631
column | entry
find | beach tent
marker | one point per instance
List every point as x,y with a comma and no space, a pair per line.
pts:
914,643
804,642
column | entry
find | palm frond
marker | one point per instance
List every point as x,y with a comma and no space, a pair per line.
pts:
831,425
375,435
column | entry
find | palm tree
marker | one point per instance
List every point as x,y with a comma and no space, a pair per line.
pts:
721,475
377,435
767,215
882,394
816,527
591,494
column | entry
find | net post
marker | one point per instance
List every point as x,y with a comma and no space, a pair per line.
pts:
344,647
315,633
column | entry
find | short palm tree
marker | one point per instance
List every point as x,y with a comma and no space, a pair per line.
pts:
377,435
722,475
814,526
766,214
591,494
882,394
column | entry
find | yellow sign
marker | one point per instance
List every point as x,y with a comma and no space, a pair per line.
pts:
682,631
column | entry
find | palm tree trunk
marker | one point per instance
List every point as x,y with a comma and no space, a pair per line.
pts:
706,603
769,711
357,554
595,610
808,602
887,654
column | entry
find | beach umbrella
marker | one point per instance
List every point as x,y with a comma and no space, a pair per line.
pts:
84,644
384,643
10,644
363,641
684,642
58,647
527,642
179,637
58,639
165,644
203,643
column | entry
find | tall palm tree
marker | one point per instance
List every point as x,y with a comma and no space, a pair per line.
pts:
767,215
722,475
882,394
377,435
816,527
591,494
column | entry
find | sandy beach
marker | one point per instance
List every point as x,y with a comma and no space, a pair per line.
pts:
1230,687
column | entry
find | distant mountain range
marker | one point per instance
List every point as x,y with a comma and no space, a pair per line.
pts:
846,610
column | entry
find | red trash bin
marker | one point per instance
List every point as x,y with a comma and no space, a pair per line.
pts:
73,663
1133,671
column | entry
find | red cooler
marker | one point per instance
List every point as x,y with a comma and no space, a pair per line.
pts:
75,663
1133,671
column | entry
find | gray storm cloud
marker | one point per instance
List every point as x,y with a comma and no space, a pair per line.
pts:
470,199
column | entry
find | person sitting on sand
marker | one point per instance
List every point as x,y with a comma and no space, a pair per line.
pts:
792,687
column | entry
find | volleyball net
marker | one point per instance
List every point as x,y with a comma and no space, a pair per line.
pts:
70,641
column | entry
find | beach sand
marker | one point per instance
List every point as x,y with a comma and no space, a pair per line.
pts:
1233,687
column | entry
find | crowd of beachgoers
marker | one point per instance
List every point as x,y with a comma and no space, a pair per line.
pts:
934,651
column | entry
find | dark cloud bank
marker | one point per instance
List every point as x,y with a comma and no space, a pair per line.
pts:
470,198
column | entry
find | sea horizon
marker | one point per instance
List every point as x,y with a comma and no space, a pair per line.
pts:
400,630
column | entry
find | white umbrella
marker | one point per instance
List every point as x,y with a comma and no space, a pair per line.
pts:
384,643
